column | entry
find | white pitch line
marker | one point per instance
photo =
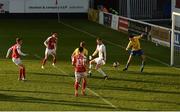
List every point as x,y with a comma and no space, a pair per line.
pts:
93,92
95,36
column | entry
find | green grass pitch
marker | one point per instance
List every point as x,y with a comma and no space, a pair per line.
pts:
157,88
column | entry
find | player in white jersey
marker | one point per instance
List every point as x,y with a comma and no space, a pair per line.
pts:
100,60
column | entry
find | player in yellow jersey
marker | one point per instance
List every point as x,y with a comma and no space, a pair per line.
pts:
135,46
76,51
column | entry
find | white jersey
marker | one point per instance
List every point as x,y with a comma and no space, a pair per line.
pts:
101,49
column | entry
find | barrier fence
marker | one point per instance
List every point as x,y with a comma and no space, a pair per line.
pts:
157,34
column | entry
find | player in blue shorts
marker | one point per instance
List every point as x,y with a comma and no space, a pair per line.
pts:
135,46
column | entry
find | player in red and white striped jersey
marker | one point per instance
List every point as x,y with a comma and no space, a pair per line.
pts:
16,53
51,46
79,62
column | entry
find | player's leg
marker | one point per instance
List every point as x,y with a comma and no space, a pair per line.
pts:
84,83
45,58
90,66
76,83
143,57
22,72
101,62
54,58
91,63
128,62
17,61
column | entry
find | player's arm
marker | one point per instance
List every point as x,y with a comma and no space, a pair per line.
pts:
20,52
104,51
46,42
140,36
93,55
8,52
73,61
129,46
74,52
55,46
95,52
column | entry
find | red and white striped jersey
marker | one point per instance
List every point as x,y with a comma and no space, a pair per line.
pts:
79,62
15,49
51,42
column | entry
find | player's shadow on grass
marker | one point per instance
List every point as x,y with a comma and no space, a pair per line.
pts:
49,82
35,92
26,99
138,80
155,74
50,74
135,100
10,72
129,89
146,81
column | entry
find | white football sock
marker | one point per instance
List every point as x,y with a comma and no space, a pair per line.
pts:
100,71
90,66
90,71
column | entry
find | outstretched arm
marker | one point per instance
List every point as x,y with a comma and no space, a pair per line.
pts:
19,51
128,46
140,36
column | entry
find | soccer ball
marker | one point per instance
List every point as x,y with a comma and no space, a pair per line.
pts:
116,64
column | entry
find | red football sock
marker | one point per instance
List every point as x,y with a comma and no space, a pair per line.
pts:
20,73
54,60
76,85
44,61
84,85
24,72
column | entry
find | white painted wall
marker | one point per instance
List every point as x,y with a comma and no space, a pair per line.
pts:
16,6
46,6
174,9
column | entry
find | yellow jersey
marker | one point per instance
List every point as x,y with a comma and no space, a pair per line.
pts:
76,51
135,44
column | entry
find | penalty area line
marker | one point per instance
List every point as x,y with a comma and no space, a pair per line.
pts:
91,91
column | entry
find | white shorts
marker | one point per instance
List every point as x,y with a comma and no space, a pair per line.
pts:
79,75
99,61
50,51
17,61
